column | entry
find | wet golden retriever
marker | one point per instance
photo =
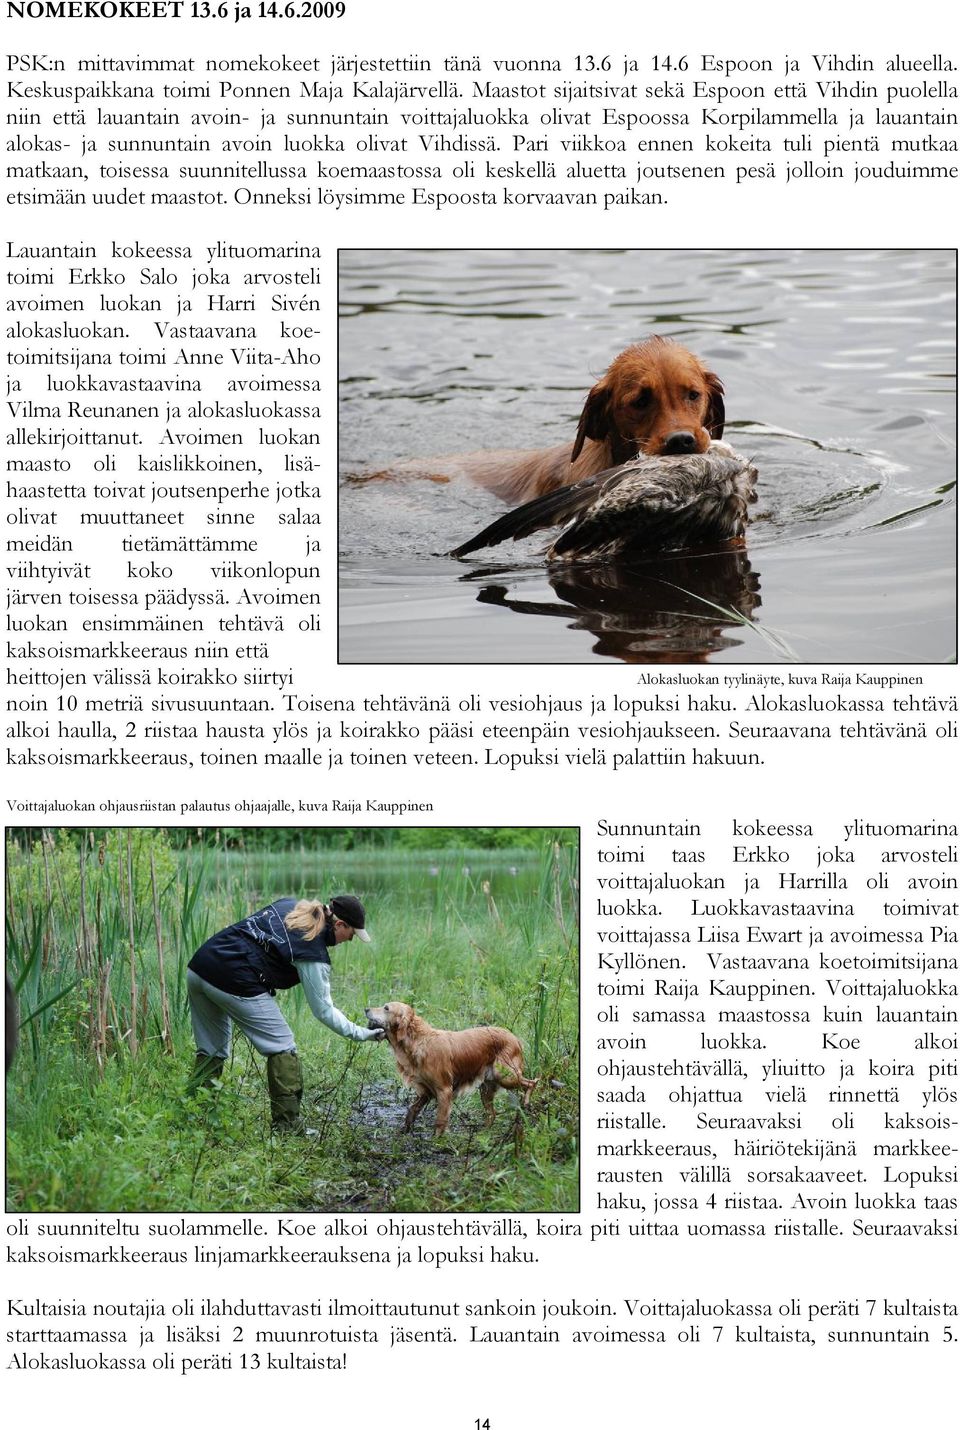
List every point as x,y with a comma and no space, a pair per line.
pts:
656,398
444,1065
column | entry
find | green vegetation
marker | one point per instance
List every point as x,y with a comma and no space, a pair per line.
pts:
100,927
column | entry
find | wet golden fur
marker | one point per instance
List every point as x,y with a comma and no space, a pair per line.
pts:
444,1065
655,398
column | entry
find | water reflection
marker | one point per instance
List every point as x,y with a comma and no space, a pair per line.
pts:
682,608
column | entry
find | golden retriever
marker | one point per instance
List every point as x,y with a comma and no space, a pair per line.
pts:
656,398
445,1065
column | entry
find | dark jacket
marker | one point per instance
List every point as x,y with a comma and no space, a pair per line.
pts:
258,954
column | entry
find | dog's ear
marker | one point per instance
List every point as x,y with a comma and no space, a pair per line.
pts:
716,415
593,418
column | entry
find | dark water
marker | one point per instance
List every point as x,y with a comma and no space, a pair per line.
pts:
420,882
839,368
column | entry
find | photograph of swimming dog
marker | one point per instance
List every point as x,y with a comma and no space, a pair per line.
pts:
475,381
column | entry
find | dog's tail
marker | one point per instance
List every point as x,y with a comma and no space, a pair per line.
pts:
517,1082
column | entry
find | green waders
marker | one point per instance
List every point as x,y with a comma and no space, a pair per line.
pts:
206,1070
285,1084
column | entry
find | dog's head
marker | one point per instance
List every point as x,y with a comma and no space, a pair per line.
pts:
655,398
395,1019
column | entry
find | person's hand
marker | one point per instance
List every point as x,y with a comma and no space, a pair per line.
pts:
376,1035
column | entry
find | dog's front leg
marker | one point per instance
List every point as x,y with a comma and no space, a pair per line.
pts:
444,1104
414,1110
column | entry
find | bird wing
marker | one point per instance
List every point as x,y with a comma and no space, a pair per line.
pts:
601,521
536,515
650,507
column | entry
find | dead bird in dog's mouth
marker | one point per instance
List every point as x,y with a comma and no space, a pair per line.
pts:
649,504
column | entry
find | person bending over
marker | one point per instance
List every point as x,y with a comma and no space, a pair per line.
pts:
234,977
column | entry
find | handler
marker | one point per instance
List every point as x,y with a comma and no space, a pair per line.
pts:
234,976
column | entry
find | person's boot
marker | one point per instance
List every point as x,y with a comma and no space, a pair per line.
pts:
285,1084
207,1069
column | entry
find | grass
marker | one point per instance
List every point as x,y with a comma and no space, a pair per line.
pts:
98,1116
776,642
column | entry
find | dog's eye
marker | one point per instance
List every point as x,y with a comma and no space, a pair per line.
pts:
693,396
643,397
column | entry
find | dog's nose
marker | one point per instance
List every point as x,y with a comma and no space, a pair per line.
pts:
678,443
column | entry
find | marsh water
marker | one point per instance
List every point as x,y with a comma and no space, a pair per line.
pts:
839,369
423,883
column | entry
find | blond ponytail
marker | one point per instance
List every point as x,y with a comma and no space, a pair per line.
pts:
307,917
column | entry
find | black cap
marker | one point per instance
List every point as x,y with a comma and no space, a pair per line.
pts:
349,908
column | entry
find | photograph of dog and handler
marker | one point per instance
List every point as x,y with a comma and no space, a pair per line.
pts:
126,970
234,978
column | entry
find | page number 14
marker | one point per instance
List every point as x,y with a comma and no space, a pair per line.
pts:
481,1425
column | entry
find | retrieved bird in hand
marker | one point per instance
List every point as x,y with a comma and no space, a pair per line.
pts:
649,504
